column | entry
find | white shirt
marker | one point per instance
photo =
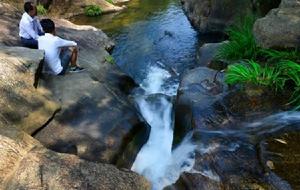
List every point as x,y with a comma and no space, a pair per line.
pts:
52,46
29,27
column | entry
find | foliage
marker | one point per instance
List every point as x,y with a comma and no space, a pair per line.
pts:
280,70
92,10
110,59
276,77
274,55
252,72
110,1
291,71
41,9
241,43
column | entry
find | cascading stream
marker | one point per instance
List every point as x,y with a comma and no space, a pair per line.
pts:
155,39
156,160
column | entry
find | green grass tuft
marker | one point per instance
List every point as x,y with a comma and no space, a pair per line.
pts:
274,55
41,9
241,43
110,59
250,72
291,71
92,10
110,1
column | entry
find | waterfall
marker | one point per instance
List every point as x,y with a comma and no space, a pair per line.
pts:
156,160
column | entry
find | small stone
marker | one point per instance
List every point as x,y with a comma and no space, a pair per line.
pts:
270,164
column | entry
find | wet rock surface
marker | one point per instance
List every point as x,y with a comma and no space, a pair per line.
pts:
227,153
197,94
281,154
206,56
281,27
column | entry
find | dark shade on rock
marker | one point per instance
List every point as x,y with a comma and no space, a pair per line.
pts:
281,154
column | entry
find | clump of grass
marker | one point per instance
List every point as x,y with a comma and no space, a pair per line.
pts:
250,72
110,1
274,55
92,10
241,43
110,59
41,9
280,71
291,71
276,77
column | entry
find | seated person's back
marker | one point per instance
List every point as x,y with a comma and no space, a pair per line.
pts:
57,54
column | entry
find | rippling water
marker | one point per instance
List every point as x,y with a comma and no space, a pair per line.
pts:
149,32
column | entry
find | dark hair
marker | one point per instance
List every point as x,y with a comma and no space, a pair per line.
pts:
48,25
28,7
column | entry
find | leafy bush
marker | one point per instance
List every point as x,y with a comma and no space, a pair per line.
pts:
110,59
250,72
241,43
41,9
92,10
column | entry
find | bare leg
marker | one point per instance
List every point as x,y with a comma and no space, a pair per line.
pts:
74,56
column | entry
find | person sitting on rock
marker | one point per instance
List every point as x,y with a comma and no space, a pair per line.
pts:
30,27
58,52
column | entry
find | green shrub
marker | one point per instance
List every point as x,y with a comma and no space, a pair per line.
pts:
92,10
41,9
241,43
110,59
250,72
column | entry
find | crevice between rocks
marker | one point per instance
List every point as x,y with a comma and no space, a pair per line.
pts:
46,124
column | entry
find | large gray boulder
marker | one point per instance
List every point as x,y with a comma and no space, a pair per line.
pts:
97,120
22,105
213,16
26,164
198,93
281,27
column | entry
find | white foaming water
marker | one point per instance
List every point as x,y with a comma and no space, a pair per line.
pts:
156,79
156,160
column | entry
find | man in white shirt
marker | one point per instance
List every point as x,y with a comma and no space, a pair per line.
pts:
59,53
30,27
